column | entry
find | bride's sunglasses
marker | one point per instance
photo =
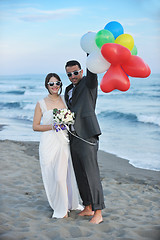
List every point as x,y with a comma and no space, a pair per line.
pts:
69,74
51,84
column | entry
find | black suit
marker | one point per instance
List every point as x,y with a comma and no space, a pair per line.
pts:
84,155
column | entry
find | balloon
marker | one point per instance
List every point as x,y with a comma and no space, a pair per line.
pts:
136,67
96,62
115,53
134,50
115,28
104,36
87,42
125,40
115,78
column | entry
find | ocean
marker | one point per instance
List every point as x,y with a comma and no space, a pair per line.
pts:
129,121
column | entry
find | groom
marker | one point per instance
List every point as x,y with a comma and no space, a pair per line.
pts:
81,96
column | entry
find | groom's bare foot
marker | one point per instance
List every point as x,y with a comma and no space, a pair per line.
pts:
87,211
97,218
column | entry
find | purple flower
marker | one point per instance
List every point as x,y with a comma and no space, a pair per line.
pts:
63,127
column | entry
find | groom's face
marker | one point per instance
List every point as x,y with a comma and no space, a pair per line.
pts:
74,74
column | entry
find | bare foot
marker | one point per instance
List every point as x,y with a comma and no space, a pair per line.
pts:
66,216
97,218
87,211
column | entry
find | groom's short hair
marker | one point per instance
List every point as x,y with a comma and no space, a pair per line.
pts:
72,63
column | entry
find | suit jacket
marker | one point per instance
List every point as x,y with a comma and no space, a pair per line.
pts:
83,105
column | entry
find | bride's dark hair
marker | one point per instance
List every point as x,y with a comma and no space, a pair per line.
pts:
49,75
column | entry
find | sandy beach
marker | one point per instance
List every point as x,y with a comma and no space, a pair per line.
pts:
131,197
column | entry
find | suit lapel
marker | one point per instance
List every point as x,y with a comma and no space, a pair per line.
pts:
77,91
66,94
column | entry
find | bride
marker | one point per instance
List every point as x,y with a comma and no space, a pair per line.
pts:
55,160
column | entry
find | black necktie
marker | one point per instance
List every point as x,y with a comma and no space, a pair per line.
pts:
70,99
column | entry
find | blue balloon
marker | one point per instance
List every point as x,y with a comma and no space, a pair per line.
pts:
115,28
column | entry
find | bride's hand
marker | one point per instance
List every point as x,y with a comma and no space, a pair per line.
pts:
62,126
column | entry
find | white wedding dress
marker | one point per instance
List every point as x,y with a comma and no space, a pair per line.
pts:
56,167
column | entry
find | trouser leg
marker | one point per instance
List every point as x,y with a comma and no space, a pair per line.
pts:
84,157
80,174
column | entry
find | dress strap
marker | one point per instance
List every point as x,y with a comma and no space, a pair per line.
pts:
43,105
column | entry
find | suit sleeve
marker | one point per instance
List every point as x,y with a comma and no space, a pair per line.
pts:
91,80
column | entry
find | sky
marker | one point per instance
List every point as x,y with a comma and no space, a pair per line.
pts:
38,37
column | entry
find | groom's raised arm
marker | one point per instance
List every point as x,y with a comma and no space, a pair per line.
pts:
91,80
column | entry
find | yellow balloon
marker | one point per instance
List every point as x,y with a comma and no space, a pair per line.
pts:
125,40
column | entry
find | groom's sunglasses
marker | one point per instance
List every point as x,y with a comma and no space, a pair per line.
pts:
51,84
69,74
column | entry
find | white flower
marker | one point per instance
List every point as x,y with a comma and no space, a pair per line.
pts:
63,116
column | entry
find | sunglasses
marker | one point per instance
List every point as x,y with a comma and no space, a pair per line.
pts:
71,73
51,84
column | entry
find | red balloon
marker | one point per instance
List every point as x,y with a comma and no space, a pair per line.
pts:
136,67
115,78
122,64
115,53
149,70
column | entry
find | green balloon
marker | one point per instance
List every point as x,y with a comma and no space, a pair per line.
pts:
104,36
134,50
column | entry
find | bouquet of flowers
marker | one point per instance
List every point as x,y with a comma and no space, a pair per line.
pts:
61,118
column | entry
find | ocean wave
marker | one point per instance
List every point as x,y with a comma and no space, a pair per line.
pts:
155,96
155,84
35,93
121,94
118,115
25,118
29,107
18,105
5,88
130,117
149,119
146,93
16,92
10,105
16,89
29,87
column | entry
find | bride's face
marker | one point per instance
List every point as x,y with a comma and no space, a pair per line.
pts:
53,85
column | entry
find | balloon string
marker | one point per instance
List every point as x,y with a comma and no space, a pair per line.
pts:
79,137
